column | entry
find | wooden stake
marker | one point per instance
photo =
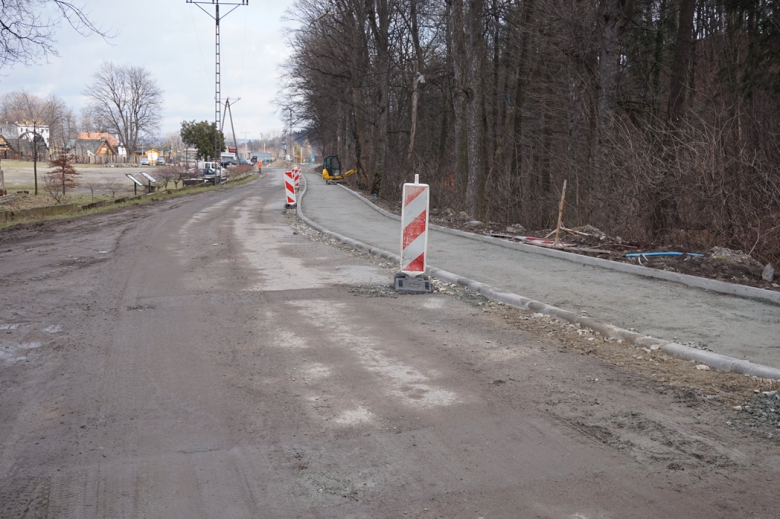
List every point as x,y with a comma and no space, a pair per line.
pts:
572,231
560,214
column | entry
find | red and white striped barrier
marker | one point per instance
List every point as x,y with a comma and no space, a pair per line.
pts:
414,227
289,188
297,176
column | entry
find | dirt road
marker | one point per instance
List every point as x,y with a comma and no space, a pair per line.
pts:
200,357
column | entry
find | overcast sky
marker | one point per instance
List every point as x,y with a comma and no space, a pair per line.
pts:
174,40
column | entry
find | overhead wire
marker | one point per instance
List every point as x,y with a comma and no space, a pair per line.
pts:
243,62
197,39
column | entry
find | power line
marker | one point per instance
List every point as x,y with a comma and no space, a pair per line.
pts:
217,73
197,39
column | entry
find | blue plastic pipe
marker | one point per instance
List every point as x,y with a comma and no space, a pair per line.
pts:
649,254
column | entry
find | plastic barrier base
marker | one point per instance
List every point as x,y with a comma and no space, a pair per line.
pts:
406,284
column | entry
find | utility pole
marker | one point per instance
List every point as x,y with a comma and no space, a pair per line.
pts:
35,157
246,146
229,111
35,140
217,84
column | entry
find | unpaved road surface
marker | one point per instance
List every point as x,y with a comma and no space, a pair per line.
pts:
199,358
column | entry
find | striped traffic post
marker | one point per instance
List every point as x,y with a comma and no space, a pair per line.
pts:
297,176
414,239
289,188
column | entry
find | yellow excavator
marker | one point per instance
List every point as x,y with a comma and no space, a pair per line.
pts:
331,170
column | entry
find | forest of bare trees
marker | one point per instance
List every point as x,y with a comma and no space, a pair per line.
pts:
662,115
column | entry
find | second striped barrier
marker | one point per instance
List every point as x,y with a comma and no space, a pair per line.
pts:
289,189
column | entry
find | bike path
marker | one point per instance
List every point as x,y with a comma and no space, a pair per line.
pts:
734,326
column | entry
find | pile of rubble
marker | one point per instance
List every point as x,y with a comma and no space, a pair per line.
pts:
763,410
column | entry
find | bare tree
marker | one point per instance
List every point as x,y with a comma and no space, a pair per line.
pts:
27,28
125,101
86,122
166,175
20,106
174,144
92,185
112,187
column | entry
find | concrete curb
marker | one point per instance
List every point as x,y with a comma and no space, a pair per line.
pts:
686,279
714,360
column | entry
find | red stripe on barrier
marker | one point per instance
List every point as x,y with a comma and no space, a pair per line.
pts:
412,192
415,228
418,265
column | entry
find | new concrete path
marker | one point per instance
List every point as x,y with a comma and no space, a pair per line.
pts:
737,327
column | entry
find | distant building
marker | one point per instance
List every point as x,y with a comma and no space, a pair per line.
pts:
98,136
118,147
91,150
151,154
16,140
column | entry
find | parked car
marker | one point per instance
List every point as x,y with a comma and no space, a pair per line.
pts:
160,162
145,161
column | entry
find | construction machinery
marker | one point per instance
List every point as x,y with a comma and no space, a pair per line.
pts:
331,170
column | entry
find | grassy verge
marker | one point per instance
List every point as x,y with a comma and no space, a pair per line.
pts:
162,195
43,165
29,201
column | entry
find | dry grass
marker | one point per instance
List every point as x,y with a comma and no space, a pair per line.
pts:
29,201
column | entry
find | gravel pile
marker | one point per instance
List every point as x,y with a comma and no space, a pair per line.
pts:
763,410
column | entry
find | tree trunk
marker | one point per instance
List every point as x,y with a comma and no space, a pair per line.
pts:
380,20
474,104
520,90
457,58
682,60
616,17
358,68
413,127
416,79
